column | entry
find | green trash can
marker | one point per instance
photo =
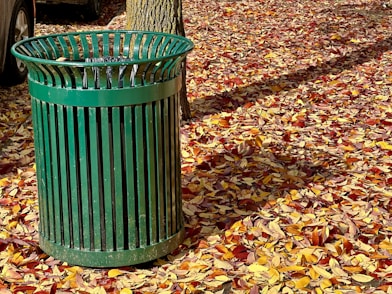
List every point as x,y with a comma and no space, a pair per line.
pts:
105,111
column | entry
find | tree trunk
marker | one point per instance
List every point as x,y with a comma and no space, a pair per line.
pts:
160,16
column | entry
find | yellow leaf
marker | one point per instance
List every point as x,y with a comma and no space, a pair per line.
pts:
267,179
10,274
274,276
13,192
275,228
70,277
362,278
334,83
4,235
4,182
74,269
276,88
302,282
126,291
294,229
315,191
263,259
262,194
185,154
270,55
313,274
17,258
348,147
222,264
335,268
212,284
355,41
325,283
222,278
16,208
379,256
11,225
353,269
292,268
289,245
255,267
228,158
384,145
259,140
355,92
310,257
322,272
96,290
336,37
385,245
228,255
114,273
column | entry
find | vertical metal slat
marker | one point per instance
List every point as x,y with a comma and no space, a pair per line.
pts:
151,172
130,175
166,160
107,167
39,146
51,168
141,181
172,130
118,177
63,150
85,205
73,179
160,173
95,177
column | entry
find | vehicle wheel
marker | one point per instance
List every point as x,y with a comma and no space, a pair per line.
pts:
93,9
21,27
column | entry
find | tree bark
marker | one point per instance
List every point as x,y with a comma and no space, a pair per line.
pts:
160,16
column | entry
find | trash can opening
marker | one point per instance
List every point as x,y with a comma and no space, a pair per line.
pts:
103,59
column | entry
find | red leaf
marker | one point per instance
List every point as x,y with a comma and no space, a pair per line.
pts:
315,238
347,246
53,289
254,290
287,137
241,252
299,123
386,122
24,288
372,122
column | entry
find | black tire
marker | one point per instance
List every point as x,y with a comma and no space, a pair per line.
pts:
93,9
15,71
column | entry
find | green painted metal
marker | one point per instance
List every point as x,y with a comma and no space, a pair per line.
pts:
104,97
106,128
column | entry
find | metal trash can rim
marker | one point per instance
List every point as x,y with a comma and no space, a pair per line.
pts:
73,63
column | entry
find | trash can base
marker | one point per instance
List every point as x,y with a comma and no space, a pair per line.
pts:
112,258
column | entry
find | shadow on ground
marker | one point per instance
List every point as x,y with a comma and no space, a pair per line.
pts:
229,101
64,14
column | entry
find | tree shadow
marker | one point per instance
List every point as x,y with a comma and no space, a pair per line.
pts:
65,14
343,20
233,190
229,101
245,180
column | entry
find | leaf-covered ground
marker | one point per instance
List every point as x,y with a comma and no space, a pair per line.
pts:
286,169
